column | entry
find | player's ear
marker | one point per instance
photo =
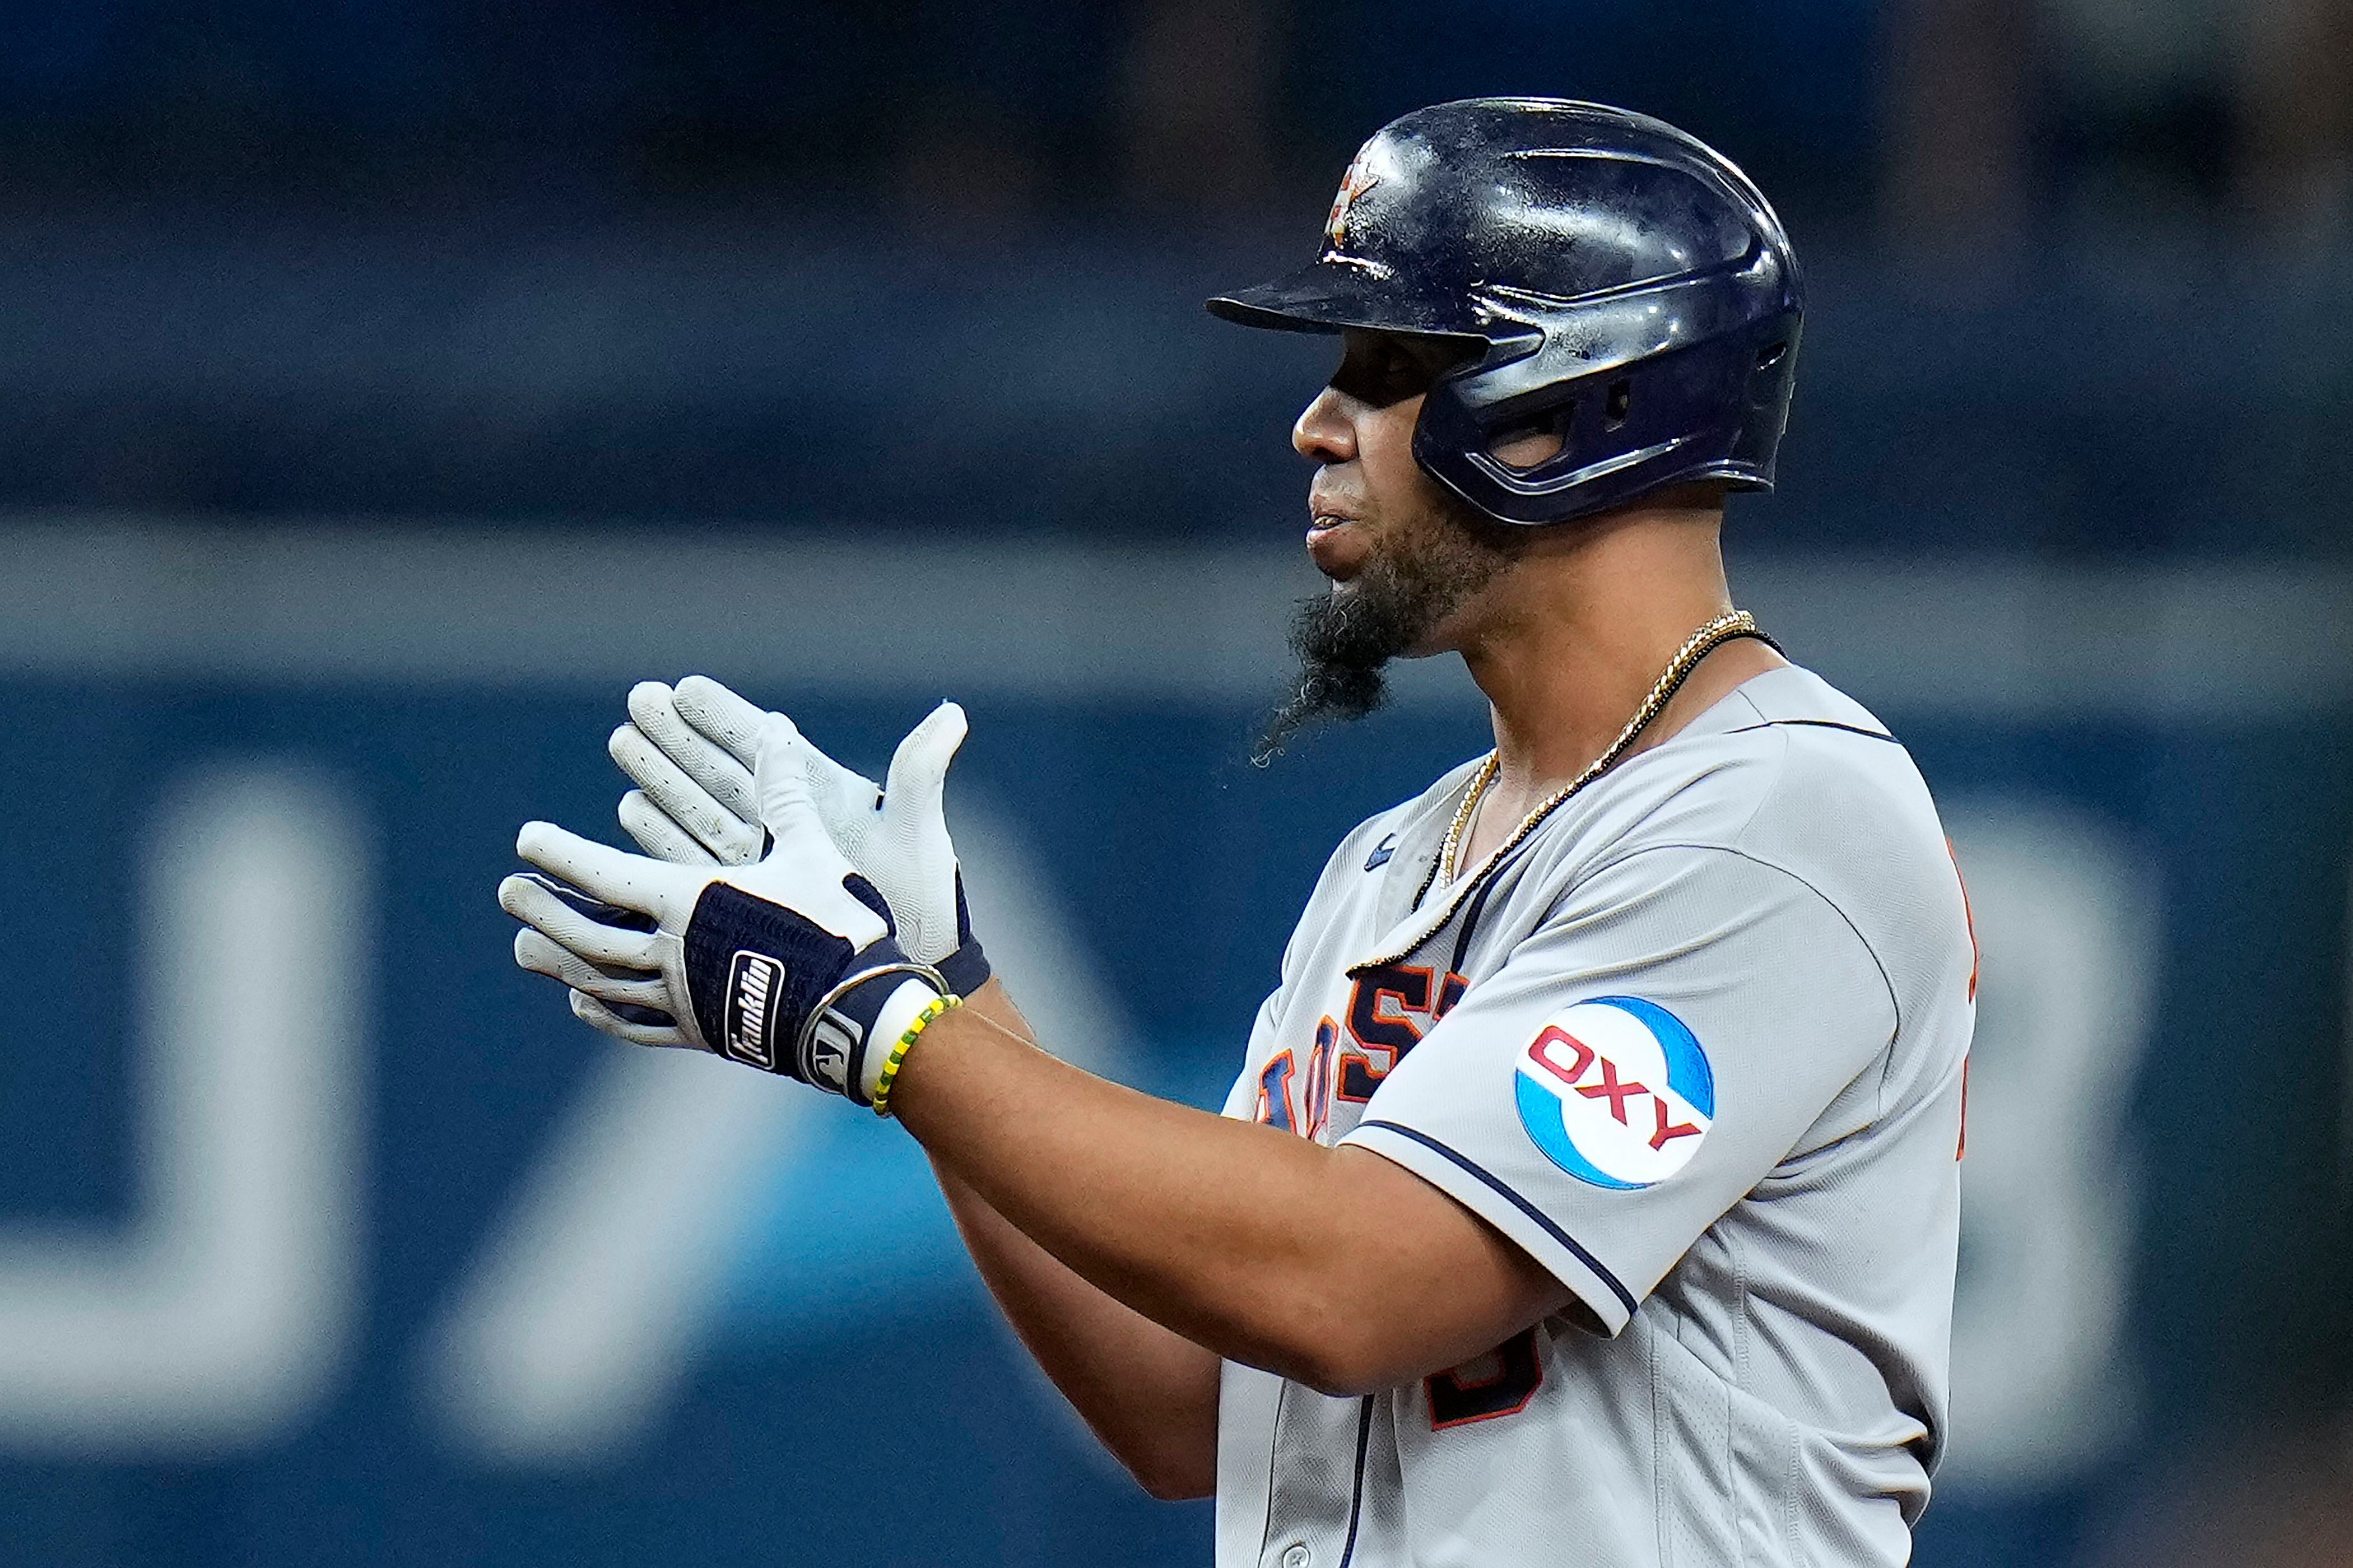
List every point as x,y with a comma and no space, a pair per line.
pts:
1525,448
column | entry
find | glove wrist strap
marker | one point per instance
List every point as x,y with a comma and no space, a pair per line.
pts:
967,969
837,1048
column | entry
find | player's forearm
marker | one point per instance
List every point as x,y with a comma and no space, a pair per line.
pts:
1264,1247
1150,1394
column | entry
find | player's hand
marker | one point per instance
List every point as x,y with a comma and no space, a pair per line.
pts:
786,964
691,751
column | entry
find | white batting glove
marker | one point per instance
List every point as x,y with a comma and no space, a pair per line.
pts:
787,964
691,751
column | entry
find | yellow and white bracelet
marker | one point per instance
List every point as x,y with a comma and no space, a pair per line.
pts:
898,1056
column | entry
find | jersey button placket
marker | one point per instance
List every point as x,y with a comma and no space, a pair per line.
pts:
1318,1446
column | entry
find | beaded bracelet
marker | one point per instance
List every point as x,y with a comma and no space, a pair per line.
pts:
898,1056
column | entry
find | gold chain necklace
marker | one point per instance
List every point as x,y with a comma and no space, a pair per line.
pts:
1701,642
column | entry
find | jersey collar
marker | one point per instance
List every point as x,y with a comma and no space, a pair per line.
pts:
1785,694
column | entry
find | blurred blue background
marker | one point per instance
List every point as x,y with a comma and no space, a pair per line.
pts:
384,386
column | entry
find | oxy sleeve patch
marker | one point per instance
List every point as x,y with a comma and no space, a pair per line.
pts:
1616,1092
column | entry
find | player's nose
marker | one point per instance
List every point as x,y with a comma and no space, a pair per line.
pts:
1325,431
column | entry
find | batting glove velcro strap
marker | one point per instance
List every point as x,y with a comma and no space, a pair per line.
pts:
774,991
845,1043
964,971
755,969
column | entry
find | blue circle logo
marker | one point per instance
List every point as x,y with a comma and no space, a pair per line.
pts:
1617,1092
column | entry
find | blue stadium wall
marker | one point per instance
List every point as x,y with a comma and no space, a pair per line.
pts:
368,1253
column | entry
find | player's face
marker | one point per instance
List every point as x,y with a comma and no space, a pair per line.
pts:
1380,527
1407,563
1360,429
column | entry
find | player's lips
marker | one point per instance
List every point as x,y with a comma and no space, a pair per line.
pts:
1335,543
1327,511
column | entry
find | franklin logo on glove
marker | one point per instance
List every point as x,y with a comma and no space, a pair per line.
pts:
752,991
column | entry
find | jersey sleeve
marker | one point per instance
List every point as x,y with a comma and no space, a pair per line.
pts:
1640,1062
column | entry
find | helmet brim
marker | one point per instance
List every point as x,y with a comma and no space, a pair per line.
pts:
1329,295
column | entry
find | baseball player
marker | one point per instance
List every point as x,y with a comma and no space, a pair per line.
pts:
1589,1192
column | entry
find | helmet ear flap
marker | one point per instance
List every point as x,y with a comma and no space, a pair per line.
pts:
1494,455
1518,456
1612,433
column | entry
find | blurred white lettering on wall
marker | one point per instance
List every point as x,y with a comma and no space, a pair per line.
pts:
224,1310
2068,921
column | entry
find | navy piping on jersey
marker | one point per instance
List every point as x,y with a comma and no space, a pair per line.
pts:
1819,724
1525,1207
1471,924
1356,1499
1273,1458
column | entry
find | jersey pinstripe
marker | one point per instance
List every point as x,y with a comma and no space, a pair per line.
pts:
1696,1045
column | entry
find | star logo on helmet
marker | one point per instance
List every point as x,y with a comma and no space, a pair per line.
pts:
1359,179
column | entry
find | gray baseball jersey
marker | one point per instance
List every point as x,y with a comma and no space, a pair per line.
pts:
1697,1045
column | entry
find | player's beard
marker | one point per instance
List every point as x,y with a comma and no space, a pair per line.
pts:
1344,638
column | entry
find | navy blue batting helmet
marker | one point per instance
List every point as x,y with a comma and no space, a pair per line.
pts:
1615,281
